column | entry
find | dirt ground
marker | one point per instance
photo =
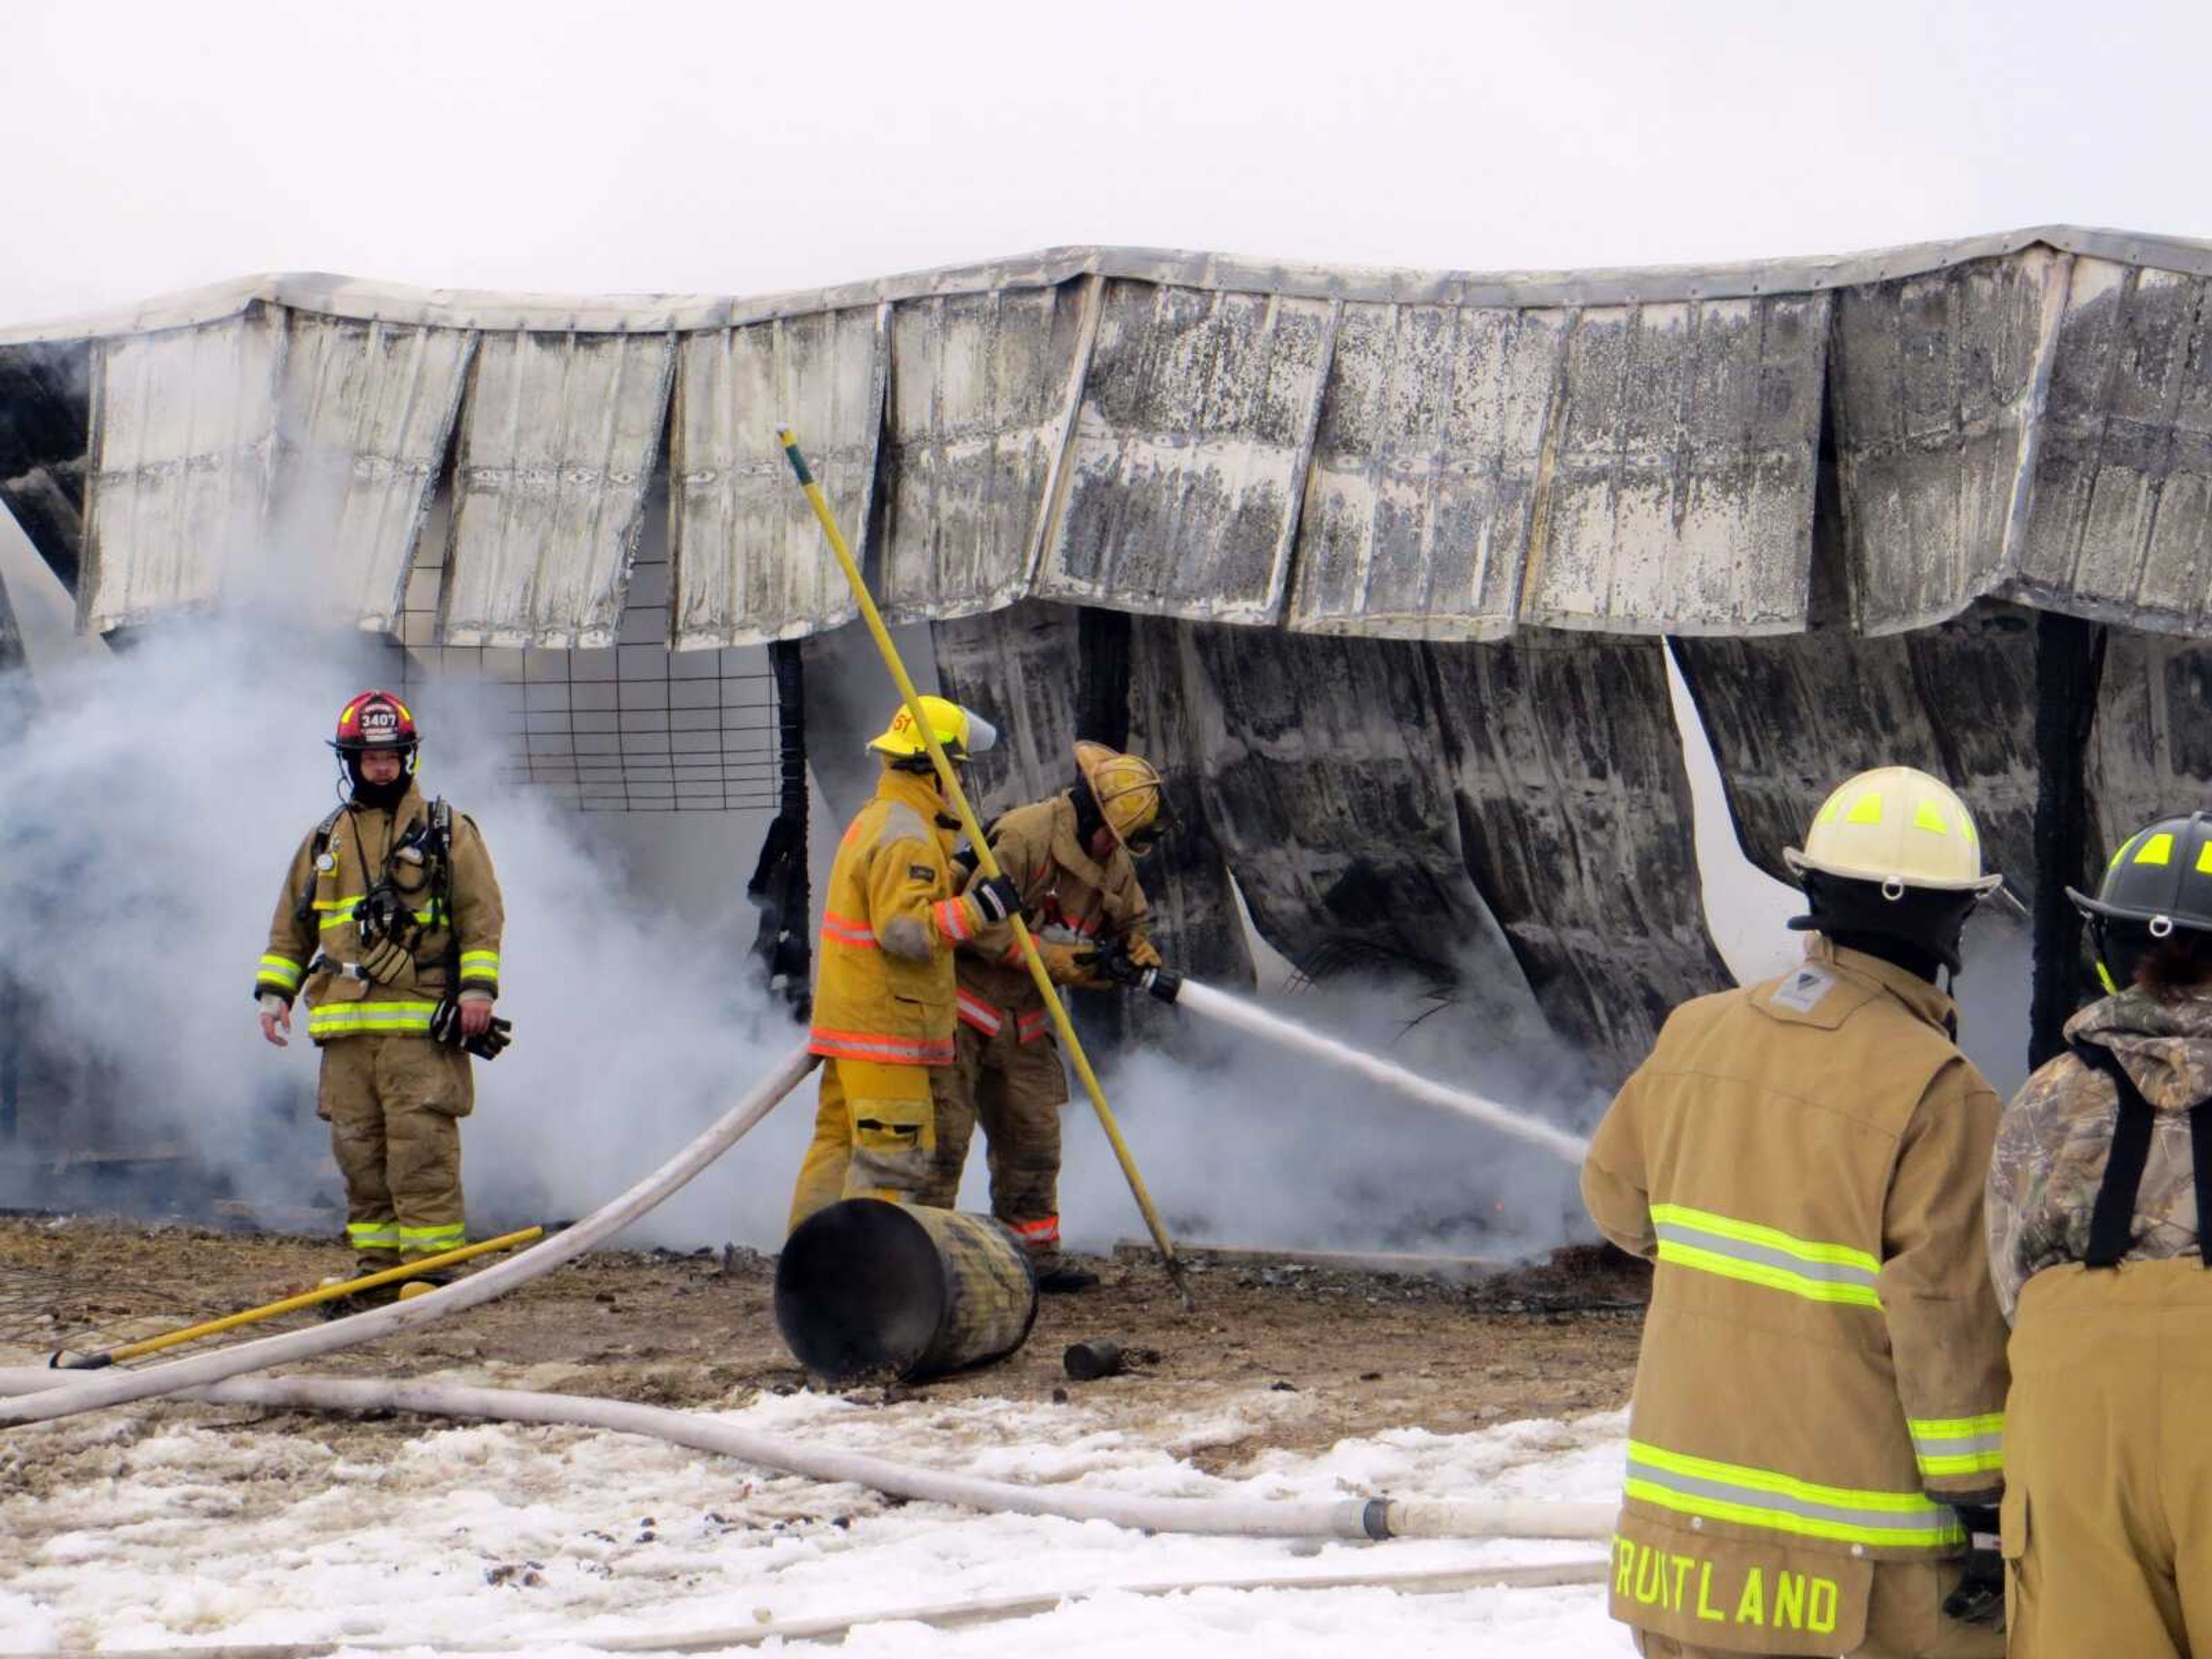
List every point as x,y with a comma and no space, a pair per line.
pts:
1364,1351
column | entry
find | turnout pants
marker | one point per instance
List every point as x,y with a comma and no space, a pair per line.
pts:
394,1104
1015,1089
875,1132
2108,1462
1905,1620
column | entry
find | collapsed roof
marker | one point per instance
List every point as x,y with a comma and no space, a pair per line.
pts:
1435,456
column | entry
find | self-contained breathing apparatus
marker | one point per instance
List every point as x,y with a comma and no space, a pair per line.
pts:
415,893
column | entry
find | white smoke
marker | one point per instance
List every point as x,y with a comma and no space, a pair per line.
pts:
148,808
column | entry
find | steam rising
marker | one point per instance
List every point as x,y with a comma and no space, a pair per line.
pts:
147,811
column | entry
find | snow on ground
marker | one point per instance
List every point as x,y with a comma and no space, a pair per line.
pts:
152,1529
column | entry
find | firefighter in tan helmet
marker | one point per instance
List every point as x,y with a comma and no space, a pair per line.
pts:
1814,1444
884,990
1071,859
389,925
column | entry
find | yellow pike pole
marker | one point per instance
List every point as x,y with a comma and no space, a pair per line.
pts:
94,1362
958,797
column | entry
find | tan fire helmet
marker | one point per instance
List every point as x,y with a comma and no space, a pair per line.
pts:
1129,794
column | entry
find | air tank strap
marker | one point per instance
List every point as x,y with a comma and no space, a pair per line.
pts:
2111,1222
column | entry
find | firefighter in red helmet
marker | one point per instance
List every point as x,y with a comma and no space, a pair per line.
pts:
389,923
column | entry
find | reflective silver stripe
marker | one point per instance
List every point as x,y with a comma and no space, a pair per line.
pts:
1929,1520
1766,1256
1965,1445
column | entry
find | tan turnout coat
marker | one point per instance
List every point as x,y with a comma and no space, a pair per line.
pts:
1823,1368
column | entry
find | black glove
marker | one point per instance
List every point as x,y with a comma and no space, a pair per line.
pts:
1979,1595
487,1044
996,897
1112,963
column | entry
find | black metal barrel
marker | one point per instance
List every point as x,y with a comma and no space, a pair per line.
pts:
868,1290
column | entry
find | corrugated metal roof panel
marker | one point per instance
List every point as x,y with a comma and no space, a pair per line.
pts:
558,441
1190,452
185,423
1936,388
983,391
1664,456
2122,514
366,414
1425,471
750,562
1681,499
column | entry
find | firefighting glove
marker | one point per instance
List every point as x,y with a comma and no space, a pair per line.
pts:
1979,1595
1065,965
487,1044
1115,965
1141,950
995,897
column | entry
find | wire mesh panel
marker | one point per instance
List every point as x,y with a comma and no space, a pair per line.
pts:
630,727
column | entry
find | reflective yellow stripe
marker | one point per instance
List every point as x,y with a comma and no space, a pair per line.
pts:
1927,815
370,1017
373,1235
1782,1502
2159,849
428,1240
1958,1445
282,970
480,964
342,910
1867,809
1704,1242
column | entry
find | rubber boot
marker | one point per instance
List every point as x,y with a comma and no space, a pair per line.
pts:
1067,1279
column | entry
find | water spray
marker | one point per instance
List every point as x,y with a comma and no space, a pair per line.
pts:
1235,1012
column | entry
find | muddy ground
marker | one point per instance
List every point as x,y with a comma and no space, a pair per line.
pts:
1361,1351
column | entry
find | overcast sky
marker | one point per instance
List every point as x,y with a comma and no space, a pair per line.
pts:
742,149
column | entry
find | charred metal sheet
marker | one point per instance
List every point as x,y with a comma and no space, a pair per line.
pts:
558,438
1321,770
184,426
982,395
2121,527
1648,468
1190,451
1937,387
1681,499
1574,824
1791,718
366,415
46,427
1426,471
1015,668
2150,750
751,565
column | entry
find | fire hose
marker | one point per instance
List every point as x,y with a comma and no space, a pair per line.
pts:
116,1388
1369,1519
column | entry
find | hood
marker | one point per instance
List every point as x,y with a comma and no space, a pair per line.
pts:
2167,1047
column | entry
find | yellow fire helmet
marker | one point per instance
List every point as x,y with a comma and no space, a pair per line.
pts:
961,732
1898,827
1128,792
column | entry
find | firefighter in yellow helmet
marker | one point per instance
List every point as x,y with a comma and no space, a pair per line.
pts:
389,924
1071,858
884,990
1815,1443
